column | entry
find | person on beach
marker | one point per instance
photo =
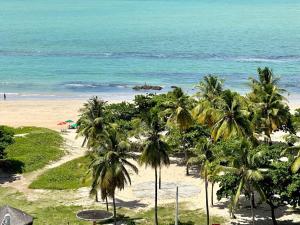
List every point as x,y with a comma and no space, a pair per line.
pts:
4,96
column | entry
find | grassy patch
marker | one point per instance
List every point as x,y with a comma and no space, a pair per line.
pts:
50,213
166,216
67,176
36,149
44,213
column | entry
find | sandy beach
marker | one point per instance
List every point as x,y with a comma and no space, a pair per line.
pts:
40,113
47,113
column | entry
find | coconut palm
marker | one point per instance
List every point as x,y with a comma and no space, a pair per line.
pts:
230,119
243,164
269,106
203,158
210,88
91,121
181,117
109,167
265,78
155,153
210,91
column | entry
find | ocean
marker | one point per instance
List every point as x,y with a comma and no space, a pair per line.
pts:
79,48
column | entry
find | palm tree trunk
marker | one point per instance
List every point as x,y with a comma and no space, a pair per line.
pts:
273,216
115,210
159,179
155,199
272,212
231,210
252,210
106,201
84,141
187,165
212,193
96,196
206,197
267,133
253,201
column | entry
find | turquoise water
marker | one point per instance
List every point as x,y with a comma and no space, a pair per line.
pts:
77,48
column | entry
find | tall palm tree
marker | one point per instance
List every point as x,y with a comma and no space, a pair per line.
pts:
109,167
181,117
155,154
204,158
243,164
210,91
269,106
210,88
265,78
91,121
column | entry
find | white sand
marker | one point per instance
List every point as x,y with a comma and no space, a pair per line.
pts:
42,113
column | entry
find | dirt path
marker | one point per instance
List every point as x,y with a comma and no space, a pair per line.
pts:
73,150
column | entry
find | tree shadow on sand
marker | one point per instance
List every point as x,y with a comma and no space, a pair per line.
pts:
9,169
122,219
130,204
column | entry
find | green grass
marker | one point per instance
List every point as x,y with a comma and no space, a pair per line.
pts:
50,212
44,212
166,216
36,149
70,175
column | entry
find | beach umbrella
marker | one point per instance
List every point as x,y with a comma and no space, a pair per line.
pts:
61,123
74,125
69,121
12,216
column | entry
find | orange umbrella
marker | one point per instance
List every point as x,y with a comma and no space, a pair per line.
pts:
61,123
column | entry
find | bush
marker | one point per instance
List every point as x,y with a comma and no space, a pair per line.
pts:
6,139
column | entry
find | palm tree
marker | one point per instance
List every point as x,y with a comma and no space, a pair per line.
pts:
243,164
204,158
155,153
91,121
210,88
210,91
230,120
109,167
181,117
269,107
265,78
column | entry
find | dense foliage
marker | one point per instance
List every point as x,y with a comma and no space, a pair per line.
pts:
6,138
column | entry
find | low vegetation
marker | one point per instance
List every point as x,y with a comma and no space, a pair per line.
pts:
70,175
34,148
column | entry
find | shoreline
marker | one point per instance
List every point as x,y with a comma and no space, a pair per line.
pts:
49,112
